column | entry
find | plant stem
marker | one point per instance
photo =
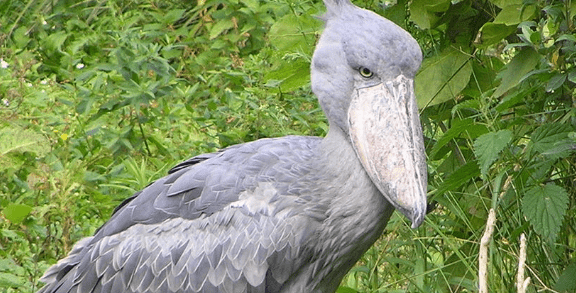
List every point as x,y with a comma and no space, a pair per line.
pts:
483,254
522,283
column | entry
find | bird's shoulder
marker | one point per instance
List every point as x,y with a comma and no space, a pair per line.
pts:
218,219
204,184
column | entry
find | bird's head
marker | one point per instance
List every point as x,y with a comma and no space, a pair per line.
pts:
362,72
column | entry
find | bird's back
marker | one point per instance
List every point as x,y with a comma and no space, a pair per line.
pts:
233,221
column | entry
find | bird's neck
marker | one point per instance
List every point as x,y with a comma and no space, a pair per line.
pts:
357,212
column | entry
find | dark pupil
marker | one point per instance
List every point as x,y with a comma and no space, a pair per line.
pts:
365,71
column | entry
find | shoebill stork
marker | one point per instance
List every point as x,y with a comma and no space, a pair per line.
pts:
289,214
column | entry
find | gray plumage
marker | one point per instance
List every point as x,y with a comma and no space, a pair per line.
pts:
289,214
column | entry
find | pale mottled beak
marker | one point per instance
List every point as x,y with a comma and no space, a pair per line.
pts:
387,136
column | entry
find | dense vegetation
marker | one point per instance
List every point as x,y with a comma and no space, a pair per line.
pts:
99,98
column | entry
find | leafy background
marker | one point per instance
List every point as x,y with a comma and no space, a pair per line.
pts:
98,98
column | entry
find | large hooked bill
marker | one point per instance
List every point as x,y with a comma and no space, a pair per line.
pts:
387,136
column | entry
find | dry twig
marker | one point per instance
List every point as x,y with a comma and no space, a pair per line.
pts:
522,283
483,256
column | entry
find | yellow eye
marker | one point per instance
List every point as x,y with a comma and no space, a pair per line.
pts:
365,72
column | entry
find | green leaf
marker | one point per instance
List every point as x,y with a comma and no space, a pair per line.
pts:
567,281
504,3
173,15
555,82
16,139
20,36
253,5
16,213
8,280
342,289
424,13
289,76
460,128
545,207
552,139
294,34
520,65
459,177
488,146
492,33
55,41
572,75
396,13
220,27
442,77
512,15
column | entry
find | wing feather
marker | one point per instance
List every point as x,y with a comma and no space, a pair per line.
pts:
221,222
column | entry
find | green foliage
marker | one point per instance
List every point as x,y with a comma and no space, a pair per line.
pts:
545,207
567,282
489,145
99,98
442,77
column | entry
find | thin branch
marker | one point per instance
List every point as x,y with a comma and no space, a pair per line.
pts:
483,255
522,283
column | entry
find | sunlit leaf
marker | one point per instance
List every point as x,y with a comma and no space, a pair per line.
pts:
8,280
16,139
173,15
545,207
16,213
290,76
220,27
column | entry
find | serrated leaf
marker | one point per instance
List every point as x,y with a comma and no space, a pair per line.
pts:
520,65
16,139
552,139
442,77
8,280
16,213
545,207
488,146
567,281
294,34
